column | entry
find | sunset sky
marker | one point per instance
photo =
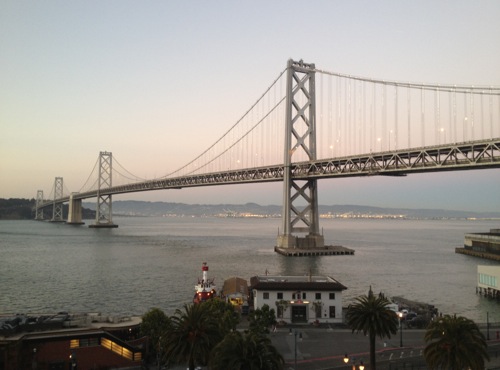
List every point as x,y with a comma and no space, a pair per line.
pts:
157,82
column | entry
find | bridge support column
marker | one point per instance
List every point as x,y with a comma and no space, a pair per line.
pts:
38,209
74,211
300,197
104,215
57,209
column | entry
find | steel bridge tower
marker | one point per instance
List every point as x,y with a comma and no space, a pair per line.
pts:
57,209
103,216
300,138
39,202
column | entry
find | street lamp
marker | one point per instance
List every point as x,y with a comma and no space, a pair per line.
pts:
487,326
295,333
400,314
72,358
34,364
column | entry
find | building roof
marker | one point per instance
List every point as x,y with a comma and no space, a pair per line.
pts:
235,285
319,283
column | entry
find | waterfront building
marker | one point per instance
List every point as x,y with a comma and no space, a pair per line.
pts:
299,299
484,245
64,341
488,281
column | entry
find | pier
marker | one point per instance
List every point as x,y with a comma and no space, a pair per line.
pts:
482,245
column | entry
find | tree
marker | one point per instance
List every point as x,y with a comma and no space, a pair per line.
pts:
224,313
249,351
261,319
155,324
455,343
194,332
370,314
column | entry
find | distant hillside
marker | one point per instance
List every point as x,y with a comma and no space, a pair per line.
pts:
22,209
140,208
16,209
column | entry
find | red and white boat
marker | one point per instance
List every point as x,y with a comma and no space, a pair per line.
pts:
205,289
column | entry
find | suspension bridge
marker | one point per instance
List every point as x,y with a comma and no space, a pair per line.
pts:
311,124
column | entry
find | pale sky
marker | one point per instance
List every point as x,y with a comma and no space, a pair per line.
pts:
157,82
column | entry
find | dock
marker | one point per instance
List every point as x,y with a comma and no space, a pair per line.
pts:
327,250
485,255
483,245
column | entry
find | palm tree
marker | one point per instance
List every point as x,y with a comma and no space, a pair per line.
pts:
192,335
455,343
370,314
248,351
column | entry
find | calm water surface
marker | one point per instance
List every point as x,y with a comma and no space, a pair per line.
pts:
155,262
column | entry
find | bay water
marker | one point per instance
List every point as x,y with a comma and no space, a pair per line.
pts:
155,262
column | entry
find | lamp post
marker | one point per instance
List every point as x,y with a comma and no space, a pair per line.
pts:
400,314
487,326
72,358
299,334
33,363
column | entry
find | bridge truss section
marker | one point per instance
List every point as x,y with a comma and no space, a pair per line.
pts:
480,154
300,142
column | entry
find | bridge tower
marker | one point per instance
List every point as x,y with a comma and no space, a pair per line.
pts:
39,201
103,216
57,209
300,138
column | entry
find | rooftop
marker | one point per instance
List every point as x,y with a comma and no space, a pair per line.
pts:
17,325
307,282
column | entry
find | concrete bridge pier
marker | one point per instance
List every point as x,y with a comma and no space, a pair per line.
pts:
74,211
311,241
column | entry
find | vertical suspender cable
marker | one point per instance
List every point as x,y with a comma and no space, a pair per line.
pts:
330,118
464,134
422,115
455,127
491,113
436,116
354,125
449,116
363,130
408,98
337,115
472,114
321,123
395,117
374,119
481,96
